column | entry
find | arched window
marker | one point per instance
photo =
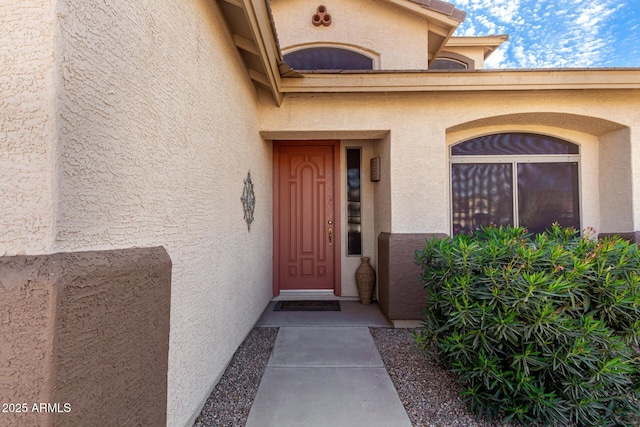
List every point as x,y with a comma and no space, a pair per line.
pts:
452,61
327,58
448,64
516,179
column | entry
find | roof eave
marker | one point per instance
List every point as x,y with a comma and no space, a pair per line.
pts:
254,36
438,6
444,18
471,81
488,43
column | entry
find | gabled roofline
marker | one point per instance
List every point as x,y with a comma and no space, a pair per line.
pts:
444,19
433,9
489,43
255,37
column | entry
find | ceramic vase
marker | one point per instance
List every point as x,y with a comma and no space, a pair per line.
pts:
365,280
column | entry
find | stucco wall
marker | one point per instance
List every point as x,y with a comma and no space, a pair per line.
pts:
616,182
377,27
422,125
474,53
27,126
88,334
382,188
350,263
635,168
158,132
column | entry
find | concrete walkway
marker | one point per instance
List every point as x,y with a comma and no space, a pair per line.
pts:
325,370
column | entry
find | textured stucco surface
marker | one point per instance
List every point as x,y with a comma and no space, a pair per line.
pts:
474,53
144,141
376,27
635,168
423,125
27,126
616,184
89,330
401,293
27,316
134,124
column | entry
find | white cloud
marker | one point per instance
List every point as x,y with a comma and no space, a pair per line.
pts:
505,10
544,33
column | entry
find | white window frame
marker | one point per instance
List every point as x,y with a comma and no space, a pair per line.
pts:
513,160
374,56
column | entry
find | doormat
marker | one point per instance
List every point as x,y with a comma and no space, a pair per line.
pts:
307,306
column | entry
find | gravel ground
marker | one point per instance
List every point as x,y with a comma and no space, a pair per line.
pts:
428,391
231,399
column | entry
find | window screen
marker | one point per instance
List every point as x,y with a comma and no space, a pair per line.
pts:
545,188
327,58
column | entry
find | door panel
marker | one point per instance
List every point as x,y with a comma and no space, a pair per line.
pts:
304,197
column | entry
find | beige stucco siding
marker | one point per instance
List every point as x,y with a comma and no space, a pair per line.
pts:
616,182
158,131
474,53
423,125
27,126
635,168
378,28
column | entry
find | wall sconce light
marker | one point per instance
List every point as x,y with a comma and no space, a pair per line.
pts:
375,169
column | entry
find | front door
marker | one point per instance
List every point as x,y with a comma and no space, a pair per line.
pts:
305,221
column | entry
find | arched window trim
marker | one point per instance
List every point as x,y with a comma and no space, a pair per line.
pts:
514,160
456,57
511,132
374,56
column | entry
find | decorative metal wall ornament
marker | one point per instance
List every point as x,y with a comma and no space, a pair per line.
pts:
248,200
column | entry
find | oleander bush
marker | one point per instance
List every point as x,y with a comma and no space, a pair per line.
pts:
542,329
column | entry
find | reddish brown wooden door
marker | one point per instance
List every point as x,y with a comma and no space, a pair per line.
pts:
306,238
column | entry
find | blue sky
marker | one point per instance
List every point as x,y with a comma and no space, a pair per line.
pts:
557,33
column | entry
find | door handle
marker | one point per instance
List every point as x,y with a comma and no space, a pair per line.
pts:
330,231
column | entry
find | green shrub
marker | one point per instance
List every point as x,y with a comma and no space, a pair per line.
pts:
542,329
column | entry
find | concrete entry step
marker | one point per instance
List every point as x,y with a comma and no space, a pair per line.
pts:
352,313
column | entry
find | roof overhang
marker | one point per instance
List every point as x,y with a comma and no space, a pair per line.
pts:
254,35
456,81
435,9
444,18
488,43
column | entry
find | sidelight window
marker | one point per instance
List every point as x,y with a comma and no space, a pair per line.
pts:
354,202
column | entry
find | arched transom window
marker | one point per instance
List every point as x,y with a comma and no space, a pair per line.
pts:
521,179
448,64
327,58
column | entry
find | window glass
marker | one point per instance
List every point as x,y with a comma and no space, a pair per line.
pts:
482,194
447,64
545,189
513,144
354,203
548,193
327,58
